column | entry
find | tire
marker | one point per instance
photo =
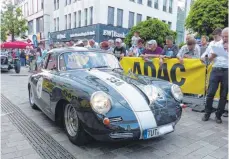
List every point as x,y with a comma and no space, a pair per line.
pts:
17,67
73,126
31,99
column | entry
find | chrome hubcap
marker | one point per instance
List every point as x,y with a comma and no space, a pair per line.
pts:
71,120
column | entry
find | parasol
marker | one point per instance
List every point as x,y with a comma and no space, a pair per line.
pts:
15,45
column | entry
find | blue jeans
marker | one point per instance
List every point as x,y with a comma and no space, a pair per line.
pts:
22,61
218,76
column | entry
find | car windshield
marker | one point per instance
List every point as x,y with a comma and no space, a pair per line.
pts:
86,60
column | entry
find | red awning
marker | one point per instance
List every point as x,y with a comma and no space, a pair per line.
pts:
15,45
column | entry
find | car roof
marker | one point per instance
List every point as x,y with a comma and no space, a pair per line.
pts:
76,49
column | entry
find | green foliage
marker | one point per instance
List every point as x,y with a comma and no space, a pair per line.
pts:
151,29
181,44
12,22
206,15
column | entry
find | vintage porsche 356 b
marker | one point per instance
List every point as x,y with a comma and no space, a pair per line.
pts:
88,93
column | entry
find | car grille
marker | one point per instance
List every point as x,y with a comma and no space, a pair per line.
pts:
4,60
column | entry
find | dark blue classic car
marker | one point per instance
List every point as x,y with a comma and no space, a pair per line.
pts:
88,93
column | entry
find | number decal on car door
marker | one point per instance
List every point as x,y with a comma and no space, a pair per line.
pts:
39,87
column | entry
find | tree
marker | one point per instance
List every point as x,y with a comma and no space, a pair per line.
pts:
12,22
206,15
151,29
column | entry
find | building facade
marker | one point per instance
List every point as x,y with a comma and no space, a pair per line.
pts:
104,19
38,15
65,20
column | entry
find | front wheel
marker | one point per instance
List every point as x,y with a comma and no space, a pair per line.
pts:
31,99
17,66
73,127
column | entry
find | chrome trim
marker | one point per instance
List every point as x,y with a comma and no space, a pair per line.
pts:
121,135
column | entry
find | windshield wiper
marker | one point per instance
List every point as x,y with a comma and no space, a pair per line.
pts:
117,69
99,67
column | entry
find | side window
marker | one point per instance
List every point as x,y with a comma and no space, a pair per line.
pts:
62,63
52,63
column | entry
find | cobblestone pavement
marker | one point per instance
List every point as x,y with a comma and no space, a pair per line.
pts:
192,139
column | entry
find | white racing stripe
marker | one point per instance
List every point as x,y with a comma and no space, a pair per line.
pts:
135,100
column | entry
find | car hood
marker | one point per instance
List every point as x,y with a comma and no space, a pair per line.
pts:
114,82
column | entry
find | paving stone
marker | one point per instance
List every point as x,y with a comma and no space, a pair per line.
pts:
144,153
209,157
32,156
121,151
8,150
206,133
219,143
16,143
219,154
24,152
24,146
206,150
8,156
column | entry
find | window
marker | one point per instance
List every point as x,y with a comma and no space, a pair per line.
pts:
119,17
170,25
91,15
74,19
57,24
42,4
139,18
139,1
26,13
54,4
148,17
57,4
170,6
165,5
156,4
69,2
131,19
30,27
54,24
163,21
149,3
85,17
40,24
66,2
132,0
69,21
110,16
79,18
66,22
52,64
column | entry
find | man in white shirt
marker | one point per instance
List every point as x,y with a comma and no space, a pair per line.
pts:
217,39
219,75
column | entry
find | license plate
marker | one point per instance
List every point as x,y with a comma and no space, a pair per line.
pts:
150,133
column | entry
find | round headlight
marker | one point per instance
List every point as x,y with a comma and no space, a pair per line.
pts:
152,92
100,102
177,93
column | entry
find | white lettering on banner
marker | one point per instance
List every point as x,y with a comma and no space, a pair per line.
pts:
113,33
61,36
82,34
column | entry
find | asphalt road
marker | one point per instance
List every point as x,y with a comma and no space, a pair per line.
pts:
192,139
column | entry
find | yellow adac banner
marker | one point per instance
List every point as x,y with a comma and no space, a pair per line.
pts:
190,76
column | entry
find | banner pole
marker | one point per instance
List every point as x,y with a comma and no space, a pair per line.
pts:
201,108
206,80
